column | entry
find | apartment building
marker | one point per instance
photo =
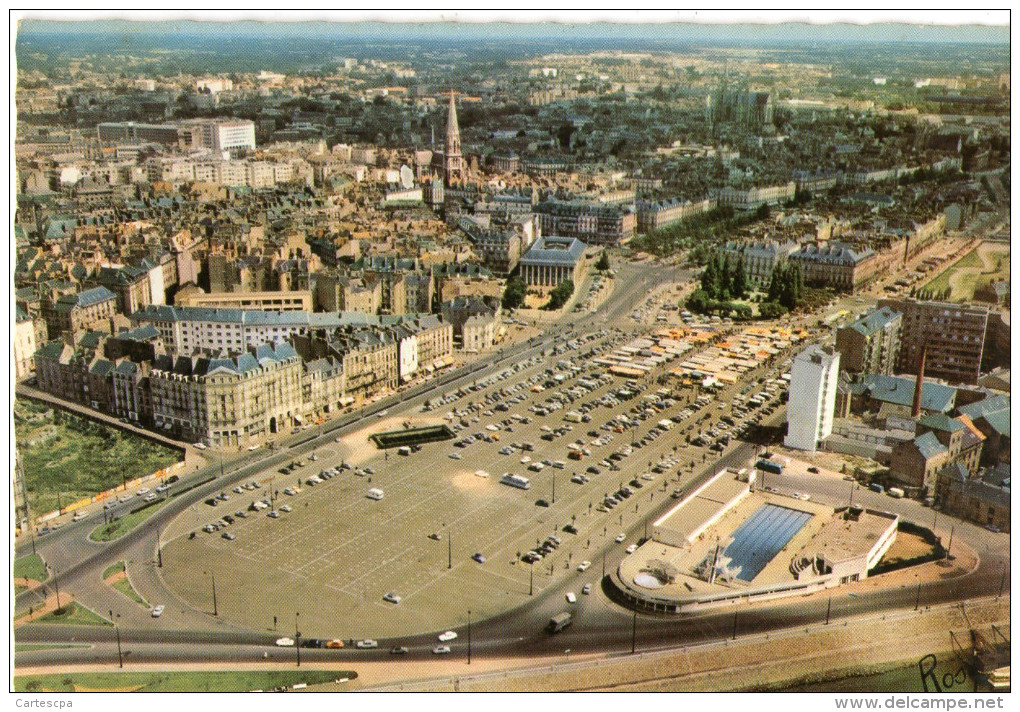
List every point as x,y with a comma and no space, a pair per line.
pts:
228,401
760,257
843,267
653,215
812,403
23,346
261,301
592,223
71,313
955,336
872,343
754,198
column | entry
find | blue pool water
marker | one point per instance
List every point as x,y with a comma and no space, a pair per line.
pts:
761,537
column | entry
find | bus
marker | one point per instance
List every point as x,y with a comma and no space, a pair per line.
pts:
516,481
769,466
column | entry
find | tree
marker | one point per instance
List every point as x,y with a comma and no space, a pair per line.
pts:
603,263
771,310
710,278
560,294
698,301
740,280
513,294
725,283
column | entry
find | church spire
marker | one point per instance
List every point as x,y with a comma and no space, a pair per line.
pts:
453,162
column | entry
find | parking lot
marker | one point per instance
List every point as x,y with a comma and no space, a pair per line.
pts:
337,552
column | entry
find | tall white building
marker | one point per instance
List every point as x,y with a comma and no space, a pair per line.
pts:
221,135
812,397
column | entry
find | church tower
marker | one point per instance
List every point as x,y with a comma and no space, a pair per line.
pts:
453,162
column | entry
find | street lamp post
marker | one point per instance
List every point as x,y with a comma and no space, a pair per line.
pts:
633,633
917,598
531,581
56,585
120,655
735,625
215,610
469,637
828,609
159,548
297,638
949,548
449,550
554,488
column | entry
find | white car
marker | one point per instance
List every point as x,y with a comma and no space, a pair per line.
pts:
367,644
151,497
571,597
447,636
142,492
200,446
285,508
441,650
285,642
454,455
391,597
252,448
158,611
583,566
587,589
620,538
632,548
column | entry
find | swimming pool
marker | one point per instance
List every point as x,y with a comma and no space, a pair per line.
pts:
764,534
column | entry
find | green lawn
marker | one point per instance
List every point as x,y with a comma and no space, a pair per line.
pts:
19,647
67,458
73,614
31,567
125,587
968,273
185,681
114,568
117,529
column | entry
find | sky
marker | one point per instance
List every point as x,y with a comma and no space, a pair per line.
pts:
781,26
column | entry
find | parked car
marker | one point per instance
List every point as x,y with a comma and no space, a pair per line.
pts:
158,611
441,650
391,597
447,636
368,643
334,644
285,642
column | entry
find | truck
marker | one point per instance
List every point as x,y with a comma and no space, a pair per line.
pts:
769,466
559,622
